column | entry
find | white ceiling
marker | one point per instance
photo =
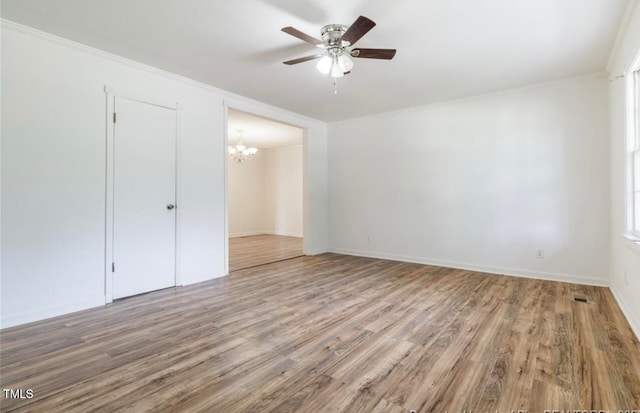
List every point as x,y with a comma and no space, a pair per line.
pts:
261,132
446,48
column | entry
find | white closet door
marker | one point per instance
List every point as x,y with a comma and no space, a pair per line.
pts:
144,216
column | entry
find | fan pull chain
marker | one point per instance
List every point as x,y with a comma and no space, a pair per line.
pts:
335,86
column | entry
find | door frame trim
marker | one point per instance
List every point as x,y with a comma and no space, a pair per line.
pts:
110,95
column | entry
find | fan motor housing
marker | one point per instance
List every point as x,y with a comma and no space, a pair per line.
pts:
332,33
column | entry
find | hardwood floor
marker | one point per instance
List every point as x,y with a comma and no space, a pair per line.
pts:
333,333
246,252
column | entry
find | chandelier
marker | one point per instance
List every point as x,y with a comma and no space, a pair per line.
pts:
240,152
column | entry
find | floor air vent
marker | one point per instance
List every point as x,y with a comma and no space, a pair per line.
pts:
581,298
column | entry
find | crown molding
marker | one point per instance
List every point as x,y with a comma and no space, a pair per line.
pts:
225,94
632,6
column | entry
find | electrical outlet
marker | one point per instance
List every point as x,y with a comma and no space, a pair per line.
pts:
540,254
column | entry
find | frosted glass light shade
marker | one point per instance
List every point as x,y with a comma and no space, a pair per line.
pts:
345,63
336,71
324,65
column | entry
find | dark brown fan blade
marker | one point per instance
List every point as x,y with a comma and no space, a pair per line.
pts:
302,36
374,53
302,59
359,28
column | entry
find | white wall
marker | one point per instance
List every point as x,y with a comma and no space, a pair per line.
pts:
315,190
283,191
481,183
53,171
625,255
246,196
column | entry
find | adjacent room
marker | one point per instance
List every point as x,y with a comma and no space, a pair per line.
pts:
264,191
320,206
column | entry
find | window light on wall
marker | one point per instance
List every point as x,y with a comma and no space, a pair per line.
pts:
635,155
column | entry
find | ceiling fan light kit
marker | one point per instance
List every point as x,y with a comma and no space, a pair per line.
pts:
337,40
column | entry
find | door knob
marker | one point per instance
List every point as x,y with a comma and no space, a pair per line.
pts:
170,206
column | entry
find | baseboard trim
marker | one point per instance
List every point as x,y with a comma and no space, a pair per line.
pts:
316,252
246,234
251,234
51,312
203,278
476,267
283,234
635,324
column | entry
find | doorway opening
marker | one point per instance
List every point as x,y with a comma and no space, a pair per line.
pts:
264,190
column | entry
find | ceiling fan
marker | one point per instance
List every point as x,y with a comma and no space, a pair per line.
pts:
337,40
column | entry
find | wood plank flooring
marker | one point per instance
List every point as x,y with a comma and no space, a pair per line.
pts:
333,333
246,252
